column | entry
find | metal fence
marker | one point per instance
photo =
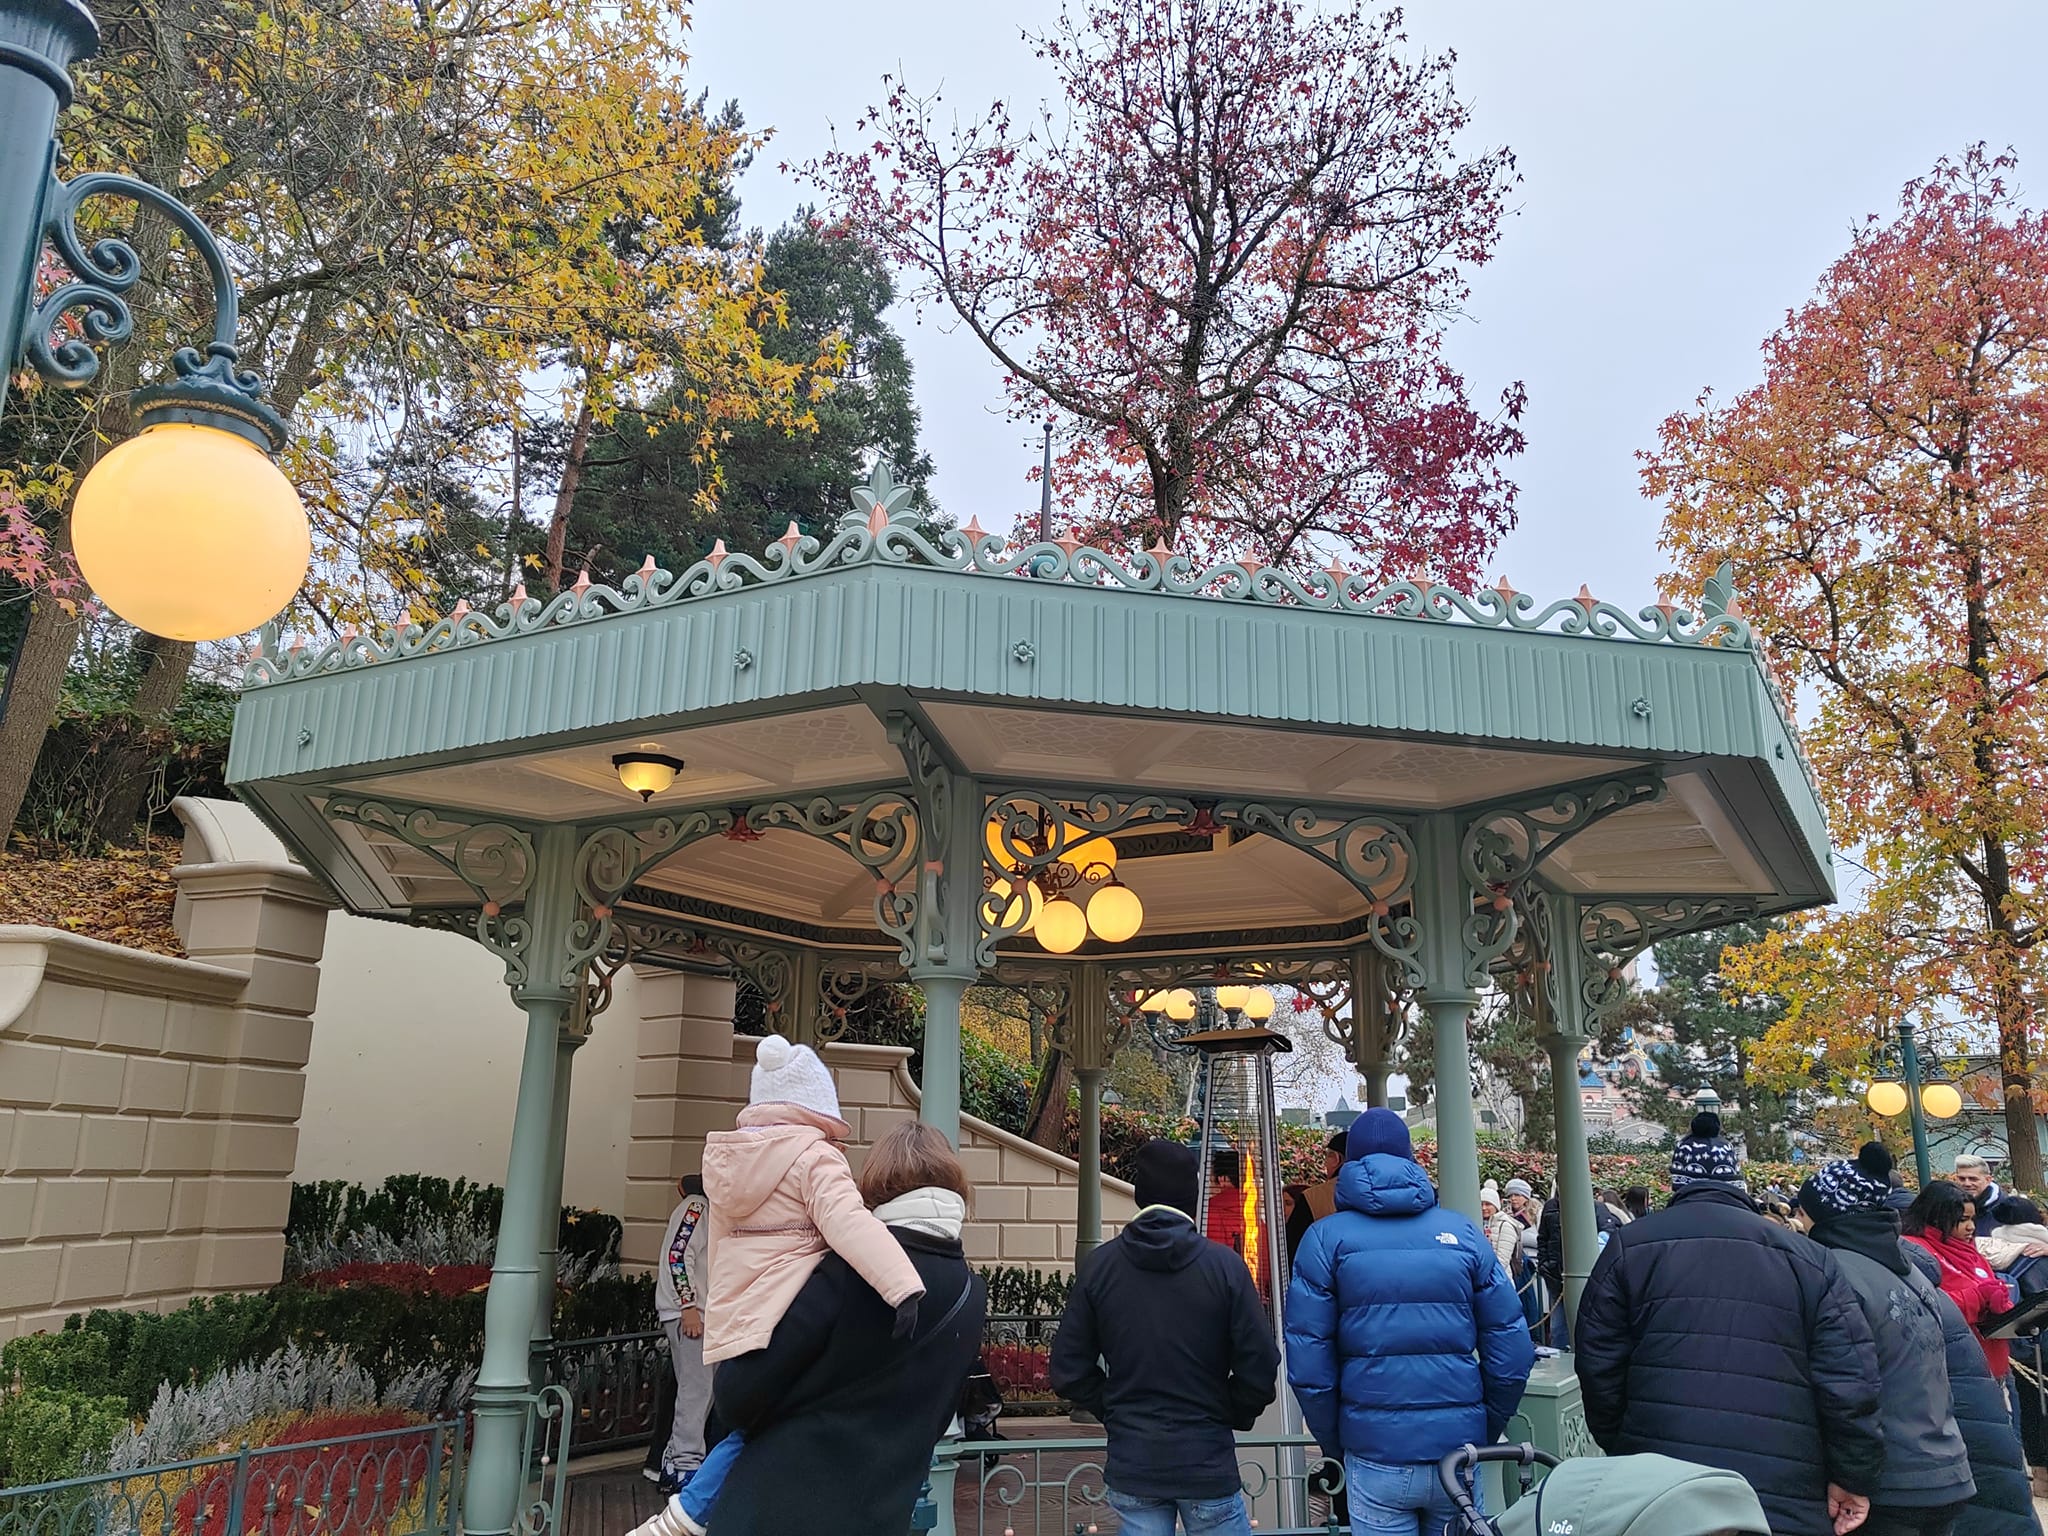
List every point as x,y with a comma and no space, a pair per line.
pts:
1056,1487
395,1482
613,1386
1016,1351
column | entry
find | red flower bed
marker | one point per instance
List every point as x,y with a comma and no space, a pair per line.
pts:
1019,1370
406,1278
318,1487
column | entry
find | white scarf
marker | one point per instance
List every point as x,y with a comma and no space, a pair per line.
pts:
932,1211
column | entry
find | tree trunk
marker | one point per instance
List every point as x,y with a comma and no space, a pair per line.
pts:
565,498
2015,1057
1046,1125
131,760
34,688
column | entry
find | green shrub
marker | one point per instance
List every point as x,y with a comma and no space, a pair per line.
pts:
598,1309
1017,1292
47,1434
993,1086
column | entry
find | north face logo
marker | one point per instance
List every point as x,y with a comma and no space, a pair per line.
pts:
1448,1237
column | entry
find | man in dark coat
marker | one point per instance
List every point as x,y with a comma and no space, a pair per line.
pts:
1713,1335
1550,1259
1190,1357
1404,1336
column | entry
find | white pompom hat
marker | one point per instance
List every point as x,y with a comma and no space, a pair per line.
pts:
792,1074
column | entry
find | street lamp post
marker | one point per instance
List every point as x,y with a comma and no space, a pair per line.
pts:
187,530
1918,1100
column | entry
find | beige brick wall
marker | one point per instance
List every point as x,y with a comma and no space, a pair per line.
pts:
692,1079
149,1105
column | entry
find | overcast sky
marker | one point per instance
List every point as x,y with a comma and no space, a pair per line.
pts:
1688,170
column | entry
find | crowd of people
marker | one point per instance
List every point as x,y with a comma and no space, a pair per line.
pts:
1840,1347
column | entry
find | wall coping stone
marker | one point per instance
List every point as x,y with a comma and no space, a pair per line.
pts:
247,877
31,954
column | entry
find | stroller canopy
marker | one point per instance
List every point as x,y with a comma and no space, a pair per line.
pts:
1637,1496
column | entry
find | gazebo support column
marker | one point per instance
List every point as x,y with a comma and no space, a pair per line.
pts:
496,1477
551,1229
939,1094
1370,1027
1565,1006
1088,1023
1443,902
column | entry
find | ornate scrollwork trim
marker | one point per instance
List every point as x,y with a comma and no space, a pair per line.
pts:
1614,930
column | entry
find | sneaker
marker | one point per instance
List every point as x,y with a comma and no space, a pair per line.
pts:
652,1474
669,1520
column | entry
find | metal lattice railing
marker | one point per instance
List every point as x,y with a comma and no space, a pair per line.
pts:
613,1386
395,1482
1057,1487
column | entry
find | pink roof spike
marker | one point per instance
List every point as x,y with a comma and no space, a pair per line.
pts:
348,634
877,519
974,531
1336,570
791,537
1160,551
582,583
1506,589
1666,607
646,566
461,609
1067,543
519,596
1586,599
718,553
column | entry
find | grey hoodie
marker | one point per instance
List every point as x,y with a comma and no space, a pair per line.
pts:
1926,1463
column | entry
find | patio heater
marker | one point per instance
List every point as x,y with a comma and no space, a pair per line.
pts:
1240,1203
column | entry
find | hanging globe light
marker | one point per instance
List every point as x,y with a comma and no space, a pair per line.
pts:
1887,1098
1020,908
1941,1100
1231,999
1115,913
1180,1005
1259,1006
1093,858
189,531
1153,1002
1061,926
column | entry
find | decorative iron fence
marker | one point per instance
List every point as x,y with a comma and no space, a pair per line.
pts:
1056,1487
393,1482
1017,1352
613,1386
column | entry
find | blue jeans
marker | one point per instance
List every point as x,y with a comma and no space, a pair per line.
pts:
1198,1517
1397,1501
701,1492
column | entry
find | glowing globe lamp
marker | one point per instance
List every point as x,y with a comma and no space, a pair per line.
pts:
1061,926
1115,913
1180,1005
646,774
1941,1100
189,531
1259,1006
1094,858
1020,909
1153,1002
1887,1098
1232,999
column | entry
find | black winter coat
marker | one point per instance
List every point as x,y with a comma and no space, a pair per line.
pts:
839,1415
1550,1237
1190,1355
2003,1504
1711,1334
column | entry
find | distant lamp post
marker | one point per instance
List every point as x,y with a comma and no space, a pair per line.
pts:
1888,1096
187,530
1706,1102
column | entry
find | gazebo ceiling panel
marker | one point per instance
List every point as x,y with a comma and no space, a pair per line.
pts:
1020,745
1659,847
732,760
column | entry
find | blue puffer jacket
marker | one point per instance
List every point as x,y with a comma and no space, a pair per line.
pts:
1404,1336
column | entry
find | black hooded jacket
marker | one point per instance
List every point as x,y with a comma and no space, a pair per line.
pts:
1711,1334
1165,1341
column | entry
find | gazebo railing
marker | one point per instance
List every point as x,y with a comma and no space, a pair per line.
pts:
393,1482
613,1385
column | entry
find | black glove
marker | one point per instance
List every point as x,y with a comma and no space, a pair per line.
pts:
906,1317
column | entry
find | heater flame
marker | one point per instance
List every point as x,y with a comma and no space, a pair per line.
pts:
1252,1233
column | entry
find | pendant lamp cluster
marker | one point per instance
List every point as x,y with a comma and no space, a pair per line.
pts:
1062,900
1179,1004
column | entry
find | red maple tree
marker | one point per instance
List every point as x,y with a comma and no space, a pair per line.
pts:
1227,269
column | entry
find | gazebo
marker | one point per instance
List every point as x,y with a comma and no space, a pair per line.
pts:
886,754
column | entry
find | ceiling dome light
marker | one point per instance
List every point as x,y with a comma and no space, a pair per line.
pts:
1020,910
1259,1006
1114,913
647,774
1887,1098
1941,1100
1061,926
1231,999
190,532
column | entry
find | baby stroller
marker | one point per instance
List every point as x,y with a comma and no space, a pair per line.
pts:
1606,1496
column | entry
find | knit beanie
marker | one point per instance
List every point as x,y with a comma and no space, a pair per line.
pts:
1521,1187
1489,1193
1844,1186
1163,1173
792,1074
1378,1130
1703,1157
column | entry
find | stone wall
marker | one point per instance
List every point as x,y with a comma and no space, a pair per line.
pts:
692,1079
149,1105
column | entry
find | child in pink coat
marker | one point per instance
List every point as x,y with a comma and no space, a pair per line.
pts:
781,1194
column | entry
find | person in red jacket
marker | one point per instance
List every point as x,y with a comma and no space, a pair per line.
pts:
1942,1220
